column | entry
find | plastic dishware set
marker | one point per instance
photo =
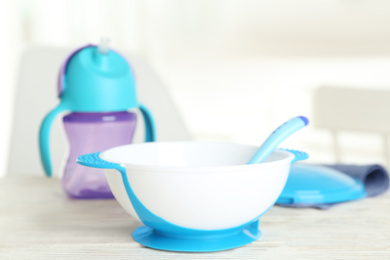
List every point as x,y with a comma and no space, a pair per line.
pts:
189,196
199,196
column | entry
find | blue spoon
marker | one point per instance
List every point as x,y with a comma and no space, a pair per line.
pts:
277,136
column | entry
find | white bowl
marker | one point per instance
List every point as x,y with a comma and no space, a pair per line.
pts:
198,185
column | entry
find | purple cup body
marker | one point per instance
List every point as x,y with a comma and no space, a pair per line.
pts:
90,133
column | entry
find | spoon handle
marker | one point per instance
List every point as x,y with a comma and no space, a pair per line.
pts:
277,136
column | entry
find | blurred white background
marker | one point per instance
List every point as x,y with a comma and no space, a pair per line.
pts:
236,69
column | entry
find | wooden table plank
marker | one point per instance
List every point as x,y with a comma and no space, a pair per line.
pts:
37,221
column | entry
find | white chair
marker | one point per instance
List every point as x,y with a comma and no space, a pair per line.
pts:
36,95
351,109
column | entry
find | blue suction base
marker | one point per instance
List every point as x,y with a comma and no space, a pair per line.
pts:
206,243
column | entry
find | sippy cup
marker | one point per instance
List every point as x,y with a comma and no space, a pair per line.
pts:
96,85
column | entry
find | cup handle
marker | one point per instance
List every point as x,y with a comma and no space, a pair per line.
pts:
150,129
44,137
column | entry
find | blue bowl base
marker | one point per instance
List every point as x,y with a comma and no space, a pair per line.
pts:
149,238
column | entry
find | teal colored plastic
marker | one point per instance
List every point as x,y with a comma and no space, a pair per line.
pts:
277,136
44,138
312,184
150,133
94,82
161,234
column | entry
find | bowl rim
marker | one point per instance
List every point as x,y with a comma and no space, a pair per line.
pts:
198,169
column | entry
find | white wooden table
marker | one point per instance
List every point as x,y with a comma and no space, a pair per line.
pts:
37,221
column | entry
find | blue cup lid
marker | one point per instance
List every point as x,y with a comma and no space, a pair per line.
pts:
313,184
92,81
